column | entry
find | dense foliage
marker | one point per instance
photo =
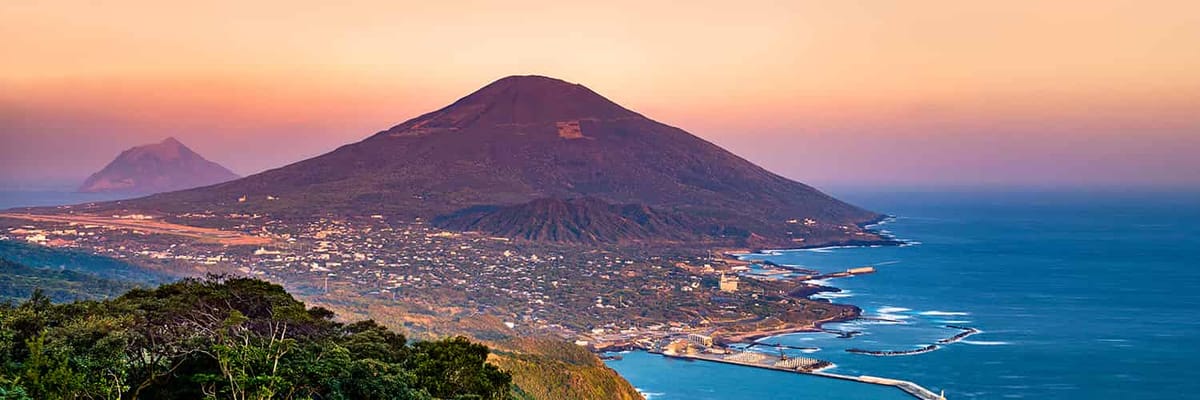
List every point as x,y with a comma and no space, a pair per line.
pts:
17,282
225,338
76,260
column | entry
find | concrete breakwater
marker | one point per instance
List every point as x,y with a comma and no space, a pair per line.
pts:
806,366
966,331
888,353
784,346
756,359
911,388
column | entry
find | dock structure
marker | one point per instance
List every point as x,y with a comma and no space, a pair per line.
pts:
757,360
802,365
781,345
911,388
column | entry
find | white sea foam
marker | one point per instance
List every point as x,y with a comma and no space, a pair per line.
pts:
944,313
864,324
830,366
648,395
833,295
892,310
823,249
894,317
985,343
810,351
881,322
881,222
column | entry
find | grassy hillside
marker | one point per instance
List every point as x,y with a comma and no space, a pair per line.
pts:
554,369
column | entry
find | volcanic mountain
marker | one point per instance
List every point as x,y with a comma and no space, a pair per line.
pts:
542,159
159,167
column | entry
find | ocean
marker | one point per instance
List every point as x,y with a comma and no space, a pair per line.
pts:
1078,294
38,198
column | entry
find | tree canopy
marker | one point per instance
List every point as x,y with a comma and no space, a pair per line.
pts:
225,338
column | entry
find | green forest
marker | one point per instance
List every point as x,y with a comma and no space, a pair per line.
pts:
225,338
18,281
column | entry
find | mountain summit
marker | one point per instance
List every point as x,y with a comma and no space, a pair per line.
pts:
515,158
158,167
521,100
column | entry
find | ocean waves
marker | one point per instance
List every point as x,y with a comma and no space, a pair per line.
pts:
649,395
936,313
833,295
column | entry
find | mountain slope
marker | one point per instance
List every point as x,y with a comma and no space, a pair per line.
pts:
154,168
584,220
524,138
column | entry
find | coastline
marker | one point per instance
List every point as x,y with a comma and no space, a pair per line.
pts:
753,337
811,289
886,239
804,292
807,290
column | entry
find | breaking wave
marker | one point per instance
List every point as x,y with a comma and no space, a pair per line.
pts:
944,313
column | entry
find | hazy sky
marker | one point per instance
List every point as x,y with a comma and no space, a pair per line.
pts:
837,92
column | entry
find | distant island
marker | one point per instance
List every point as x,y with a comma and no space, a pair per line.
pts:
154,168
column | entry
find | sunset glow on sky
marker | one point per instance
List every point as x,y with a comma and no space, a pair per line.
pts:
825,92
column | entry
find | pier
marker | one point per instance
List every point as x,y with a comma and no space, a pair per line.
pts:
780,345
891,353
802,365
966,331
912,389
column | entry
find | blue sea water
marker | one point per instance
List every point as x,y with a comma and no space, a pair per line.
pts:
21,198
1079,295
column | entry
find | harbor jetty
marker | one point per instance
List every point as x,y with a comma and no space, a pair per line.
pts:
966,331
780,345
757,360
911,388
889,353
782,362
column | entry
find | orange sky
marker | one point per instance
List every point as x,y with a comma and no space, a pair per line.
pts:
829,92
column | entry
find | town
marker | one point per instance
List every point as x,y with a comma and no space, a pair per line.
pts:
700,305
618,297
